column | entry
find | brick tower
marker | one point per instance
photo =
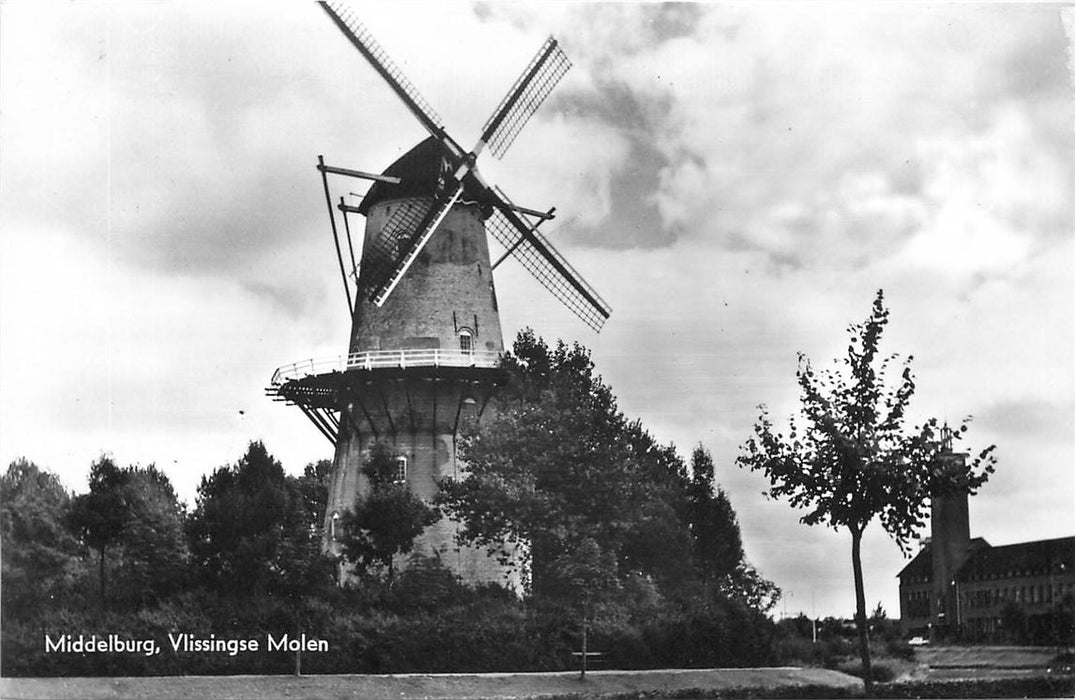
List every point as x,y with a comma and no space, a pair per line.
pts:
949,542
424,363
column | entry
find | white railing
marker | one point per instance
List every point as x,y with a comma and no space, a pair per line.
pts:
376,359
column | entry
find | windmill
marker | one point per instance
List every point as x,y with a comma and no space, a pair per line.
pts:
425,335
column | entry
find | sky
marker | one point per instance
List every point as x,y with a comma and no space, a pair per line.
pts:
736,180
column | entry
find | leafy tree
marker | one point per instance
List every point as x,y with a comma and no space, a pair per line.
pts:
560,465
384,522
153,544
38,550
850,460
881,626
585,574
134,513
256,530
1013,622
100,515
715,538
313,484
657,543
749,587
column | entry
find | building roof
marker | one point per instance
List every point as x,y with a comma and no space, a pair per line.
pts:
921,566
987,561
420,171
1020,559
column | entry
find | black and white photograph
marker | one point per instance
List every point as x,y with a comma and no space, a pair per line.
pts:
537,350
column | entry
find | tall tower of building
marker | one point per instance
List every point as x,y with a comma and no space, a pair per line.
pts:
949,540
424,363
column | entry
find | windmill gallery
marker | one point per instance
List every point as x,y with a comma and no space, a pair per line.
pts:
425,336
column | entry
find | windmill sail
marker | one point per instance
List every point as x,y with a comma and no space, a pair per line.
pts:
403,238
360,37
548,66
548,267
408,230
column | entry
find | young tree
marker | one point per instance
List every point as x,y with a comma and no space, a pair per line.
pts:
584,575
851,460
384,523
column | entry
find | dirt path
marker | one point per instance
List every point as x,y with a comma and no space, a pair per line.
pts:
410,687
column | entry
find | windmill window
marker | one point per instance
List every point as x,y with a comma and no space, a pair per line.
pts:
466,341
401,469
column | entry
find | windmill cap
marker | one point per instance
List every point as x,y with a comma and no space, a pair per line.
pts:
418,170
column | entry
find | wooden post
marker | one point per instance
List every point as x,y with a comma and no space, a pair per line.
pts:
582,676
298,652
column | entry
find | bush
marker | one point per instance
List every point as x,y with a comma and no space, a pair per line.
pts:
826,653
426,622
899,649
1032,687
881,672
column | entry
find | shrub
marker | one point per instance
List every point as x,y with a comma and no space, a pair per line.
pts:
899,649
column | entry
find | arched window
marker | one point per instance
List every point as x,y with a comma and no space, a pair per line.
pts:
332,526
466,341
401,469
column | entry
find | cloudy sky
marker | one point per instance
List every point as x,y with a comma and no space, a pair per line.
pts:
736,180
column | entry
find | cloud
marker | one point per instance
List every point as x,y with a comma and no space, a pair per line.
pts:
815,142
1030,418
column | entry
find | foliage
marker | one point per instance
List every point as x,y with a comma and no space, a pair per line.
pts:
1035,686
384,522
850,459
561,470
38,551
746,585
715,538
427,620
135,513
256,530
154,547
100,515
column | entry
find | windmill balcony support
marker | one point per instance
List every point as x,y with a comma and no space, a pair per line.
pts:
380,359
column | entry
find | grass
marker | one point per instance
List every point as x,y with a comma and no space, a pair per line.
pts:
606,685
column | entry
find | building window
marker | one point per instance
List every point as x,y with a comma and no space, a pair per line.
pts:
401,470
466,341
332,526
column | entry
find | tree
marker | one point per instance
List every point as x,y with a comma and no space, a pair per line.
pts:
384,522
153,545
37,547
134,513
256,530
586,573
560,465
313,485
715,538
100,515
746,585
1013,622
881,626
851,460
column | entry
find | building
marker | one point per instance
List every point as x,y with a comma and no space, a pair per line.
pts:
958,586
443,321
